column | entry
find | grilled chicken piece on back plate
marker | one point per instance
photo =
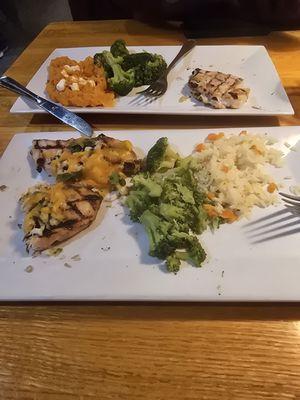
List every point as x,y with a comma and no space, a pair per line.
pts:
218,89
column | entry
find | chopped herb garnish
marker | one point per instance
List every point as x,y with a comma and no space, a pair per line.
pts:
69,176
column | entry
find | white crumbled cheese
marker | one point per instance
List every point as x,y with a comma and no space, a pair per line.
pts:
64,73
61,85
54,221
74,86
88,148
82,81
37,231
71,68
73,78
295,190
91,82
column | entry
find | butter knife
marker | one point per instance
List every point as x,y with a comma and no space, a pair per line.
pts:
58,111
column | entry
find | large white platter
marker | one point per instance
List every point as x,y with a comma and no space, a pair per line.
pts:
114,263
267,96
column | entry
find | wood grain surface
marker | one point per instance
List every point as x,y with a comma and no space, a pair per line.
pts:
147,351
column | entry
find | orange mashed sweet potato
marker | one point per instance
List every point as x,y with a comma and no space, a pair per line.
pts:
80,84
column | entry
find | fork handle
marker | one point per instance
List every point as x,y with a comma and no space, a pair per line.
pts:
187,46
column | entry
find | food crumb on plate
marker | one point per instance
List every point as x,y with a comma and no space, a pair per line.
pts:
182,99
295,190
76,257
29,268
20,226
55,251
3,187
67,265
106,248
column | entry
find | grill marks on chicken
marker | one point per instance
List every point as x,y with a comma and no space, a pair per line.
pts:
55,213
82,167
85,159
218,89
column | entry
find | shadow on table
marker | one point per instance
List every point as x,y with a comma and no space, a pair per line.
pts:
128,121
147,311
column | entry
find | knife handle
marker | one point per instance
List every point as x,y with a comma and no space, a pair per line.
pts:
11,84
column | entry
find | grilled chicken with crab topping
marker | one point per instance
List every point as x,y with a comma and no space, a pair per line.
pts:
55,213
218,89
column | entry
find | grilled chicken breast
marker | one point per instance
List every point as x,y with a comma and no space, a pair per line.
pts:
55,213
218,89
58,157
86,169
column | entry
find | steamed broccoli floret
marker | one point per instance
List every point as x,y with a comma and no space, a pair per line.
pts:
136,59
154,189
195,254
171,212
173,263
167,243
101,61
188,249
154,69
120,81
167,201
161,156
157,230
148,67
138,201
118,48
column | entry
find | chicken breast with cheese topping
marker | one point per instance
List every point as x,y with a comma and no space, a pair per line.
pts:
55,213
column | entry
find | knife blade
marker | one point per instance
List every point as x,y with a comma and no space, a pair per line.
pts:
60,112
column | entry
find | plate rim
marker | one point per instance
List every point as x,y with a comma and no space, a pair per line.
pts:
166,111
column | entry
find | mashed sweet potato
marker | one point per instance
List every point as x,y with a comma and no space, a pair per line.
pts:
81,84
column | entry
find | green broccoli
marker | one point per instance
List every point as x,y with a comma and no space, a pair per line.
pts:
173,263
138,201
120,81
154,69
194,254
116,180
119,49
154,189
161,156
101,61
157,230
167,201
148,67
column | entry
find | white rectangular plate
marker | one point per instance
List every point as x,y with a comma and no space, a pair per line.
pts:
267,95
114,264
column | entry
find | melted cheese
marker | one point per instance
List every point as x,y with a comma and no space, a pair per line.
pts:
54,204
96,164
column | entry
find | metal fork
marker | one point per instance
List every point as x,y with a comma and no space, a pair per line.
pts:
291,201
159,87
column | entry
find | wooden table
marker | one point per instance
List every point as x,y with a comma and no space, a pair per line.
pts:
147,351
